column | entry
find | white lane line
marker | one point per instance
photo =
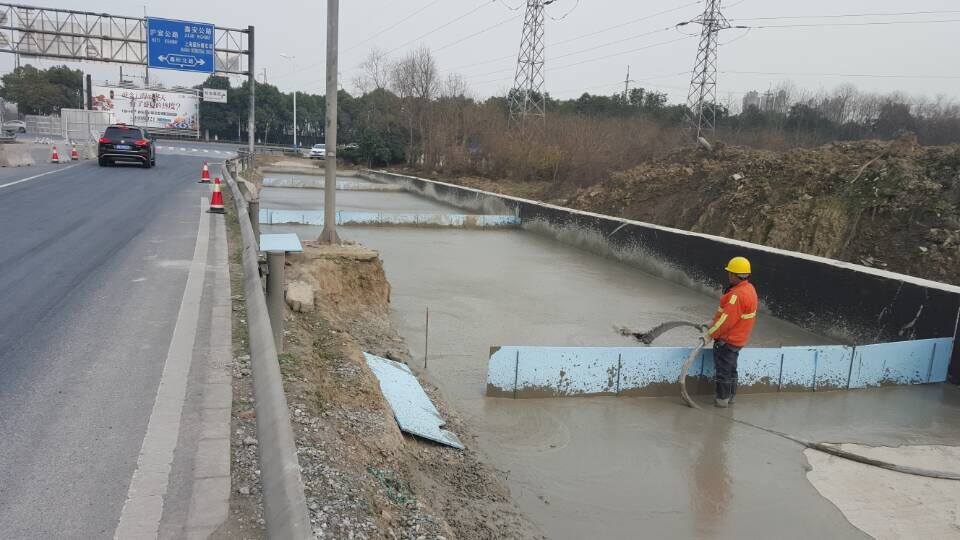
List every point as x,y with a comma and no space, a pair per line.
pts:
182,149
193,149
205,151
140,517
34,177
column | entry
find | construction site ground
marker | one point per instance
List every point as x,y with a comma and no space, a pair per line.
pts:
574,468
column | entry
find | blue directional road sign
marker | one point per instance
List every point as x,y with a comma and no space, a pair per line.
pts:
180,45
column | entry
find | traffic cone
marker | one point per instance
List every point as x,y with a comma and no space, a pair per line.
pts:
54,156
74,156
216,202
204,174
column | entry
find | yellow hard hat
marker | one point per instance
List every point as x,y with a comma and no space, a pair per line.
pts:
738,265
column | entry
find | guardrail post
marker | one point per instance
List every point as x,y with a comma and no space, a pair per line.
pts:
275,262
253,208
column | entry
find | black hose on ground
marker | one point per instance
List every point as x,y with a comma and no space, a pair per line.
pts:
652,334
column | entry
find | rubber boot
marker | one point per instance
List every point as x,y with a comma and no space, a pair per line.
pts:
721,403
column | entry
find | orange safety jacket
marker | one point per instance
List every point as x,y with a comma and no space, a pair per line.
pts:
734,320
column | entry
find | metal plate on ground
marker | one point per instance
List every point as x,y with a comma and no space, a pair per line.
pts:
412,408
280,242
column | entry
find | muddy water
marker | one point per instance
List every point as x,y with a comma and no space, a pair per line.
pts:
623,467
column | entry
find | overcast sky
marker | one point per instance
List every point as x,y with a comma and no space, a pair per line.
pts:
480,39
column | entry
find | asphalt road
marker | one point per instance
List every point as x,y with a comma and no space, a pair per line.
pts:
93,267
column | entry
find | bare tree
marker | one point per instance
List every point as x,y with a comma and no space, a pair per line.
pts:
454,87
375,72
415,80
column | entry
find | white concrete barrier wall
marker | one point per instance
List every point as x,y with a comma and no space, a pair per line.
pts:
530,372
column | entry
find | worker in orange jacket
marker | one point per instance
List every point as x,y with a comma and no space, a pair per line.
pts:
731,328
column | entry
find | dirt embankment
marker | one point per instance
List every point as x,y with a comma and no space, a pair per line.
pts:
891,205
364,478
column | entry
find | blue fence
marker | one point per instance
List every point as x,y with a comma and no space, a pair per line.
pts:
529,372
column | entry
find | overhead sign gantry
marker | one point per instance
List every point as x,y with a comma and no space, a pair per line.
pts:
152,42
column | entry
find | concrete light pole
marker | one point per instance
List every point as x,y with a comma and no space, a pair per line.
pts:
329,234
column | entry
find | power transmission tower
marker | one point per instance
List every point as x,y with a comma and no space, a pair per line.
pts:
626,86
702,98
527,97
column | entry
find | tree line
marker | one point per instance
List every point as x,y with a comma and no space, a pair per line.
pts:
406,111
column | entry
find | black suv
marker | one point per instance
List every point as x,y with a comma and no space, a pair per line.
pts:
121,142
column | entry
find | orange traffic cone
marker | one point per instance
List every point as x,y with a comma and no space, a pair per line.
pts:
204,174
74,156
216,202
54,156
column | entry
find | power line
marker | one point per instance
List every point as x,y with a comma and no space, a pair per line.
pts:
609,43
394,25
593,33
846,15
871,23
475,34
590,60
441,27
855,75
627,23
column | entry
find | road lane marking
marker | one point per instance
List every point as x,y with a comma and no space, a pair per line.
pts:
29,178
205,151
182,149
143,509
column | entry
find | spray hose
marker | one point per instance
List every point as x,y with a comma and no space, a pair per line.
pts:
650,335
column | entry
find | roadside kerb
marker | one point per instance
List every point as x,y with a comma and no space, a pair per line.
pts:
284,503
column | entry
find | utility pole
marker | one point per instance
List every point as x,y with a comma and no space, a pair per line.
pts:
146,68
252,81
329,234
626,86
527,97
702,97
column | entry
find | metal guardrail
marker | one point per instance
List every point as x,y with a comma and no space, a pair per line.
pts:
284,503
273,149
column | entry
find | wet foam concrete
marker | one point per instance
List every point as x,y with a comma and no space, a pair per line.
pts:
624,467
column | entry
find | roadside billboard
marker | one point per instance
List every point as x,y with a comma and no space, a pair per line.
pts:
160,111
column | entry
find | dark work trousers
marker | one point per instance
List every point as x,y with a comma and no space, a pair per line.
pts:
725,359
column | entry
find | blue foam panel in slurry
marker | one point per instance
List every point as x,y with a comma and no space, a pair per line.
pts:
832,367
799,364
904,362
644,366
501,370
943,350
567,371
759,367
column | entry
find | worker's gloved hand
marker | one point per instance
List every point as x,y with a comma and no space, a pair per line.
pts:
705,335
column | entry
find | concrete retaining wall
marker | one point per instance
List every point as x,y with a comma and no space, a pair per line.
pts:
848,301
532,372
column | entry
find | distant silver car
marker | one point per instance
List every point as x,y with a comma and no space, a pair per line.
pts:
318,151
15,125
